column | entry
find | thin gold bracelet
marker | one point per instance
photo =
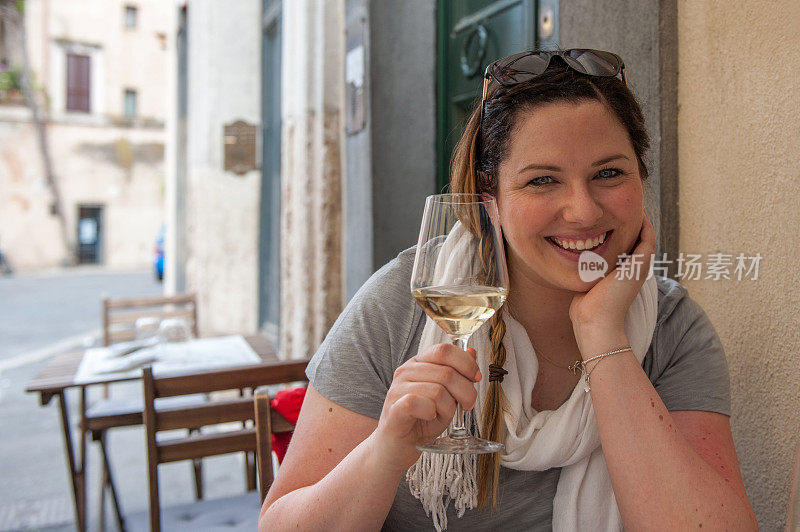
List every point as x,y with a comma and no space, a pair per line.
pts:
599,358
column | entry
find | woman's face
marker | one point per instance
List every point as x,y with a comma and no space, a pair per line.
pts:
570,176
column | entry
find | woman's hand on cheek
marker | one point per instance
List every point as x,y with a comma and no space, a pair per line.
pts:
600,312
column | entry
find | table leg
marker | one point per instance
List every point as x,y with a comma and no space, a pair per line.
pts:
82,470
76,474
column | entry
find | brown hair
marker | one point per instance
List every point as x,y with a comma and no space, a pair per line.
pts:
477,173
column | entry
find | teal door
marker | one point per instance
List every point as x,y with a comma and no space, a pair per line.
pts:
471,34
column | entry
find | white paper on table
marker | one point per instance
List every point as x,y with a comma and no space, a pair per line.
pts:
99,363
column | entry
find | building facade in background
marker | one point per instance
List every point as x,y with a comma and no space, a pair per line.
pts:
99,68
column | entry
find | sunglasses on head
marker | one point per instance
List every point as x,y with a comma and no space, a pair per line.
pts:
524,66
518,68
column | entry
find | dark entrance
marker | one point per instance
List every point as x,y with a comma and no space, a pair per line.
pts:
90,233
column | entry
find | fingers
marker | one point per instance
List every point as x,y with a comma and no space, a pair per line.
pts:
429,385
647,236
454,383
416,407
427,393
646,243
463,362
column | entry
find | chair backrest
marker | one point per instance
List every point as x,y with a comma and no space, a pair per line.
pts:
241,437
268,422
120,315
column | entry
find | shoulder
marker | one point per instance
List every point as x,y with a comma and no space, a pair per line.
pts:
354,365
382,310
391,283
677,311
686,361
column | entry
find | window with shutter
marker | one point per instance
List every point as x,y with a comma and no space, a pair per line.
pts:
78,82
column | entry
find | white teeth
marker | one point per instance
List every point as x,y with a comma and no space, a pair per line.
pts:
580,245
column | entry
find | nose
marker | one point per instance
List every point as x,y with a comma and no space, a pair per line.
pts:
581,207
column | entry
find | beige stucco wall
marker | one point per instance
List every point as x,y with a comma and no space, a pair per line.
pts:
739,166
119,168
122,58
221,213
94,160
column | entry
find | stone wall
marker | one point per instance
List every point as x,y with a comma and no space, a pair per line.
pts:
311,173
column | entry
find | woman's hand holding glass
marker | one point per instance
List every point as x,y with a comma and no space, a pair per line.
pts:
422,400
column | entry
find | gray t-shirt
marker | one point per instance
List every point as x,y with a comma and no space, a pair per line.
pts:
381,328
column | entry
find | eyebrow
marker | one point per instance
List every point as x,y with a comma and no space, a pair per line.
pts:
551,168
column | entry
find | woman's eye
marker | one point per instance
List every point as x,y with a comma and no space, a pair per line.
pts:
541,181
607,173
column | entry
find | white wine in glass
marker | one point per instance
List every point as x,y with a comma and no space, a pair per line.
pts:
460,280
460,310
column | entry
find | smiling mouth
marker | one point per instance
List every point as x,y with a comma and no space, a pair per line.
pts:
579,246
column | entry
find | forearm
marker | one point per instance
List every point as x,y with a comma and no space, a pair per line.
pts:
356,495
658,478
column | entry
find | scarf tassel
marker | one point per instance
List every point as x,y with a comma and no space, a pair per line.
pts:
438,479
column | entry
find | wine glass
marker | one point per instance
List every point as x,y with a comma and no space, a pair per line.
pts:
175,331
460,280
146,329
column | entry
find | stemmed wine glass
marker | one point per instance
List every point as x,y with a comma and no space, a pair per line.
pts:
174,331
460,280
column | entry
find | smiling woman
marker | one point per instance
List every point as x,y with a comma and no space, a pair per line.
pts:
639,439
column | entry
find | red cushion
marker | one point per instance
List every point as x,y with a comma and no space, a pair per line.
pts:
287,403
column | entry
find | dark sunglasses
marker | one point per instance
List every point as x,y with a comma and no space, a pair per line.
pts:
524,66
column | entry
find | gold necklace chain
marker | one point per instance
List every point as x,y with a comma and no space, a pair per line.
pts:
574,368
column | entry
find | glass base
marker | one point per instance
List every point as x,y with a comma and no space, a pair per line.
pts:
465,445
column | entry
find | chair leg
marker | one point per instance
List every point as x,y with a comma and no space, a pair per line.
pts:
108,481
250,470
155,506
197,464
101,505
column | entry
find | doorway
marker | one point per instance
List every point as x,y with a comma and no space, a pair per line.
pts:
472,34
90,234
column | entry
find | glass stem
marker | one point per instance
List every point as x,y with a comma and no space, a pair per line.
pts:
457,428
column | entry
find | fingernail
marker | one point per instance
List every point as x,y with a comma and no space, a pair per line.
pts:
478,376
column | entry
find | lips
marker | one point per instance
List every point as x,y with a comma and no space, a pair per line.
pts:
574,254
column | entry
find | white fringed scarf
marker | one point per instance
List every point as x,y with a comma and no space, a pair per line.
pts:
535,441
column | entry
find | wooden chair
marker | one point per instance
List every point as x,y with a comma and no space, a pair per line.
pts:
268,422
198,445
119,317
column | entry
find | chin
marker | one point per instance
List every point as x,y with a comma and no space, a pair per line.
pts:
576,285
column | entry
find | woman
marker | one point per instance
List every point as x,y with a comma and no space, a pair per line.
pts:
559,141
